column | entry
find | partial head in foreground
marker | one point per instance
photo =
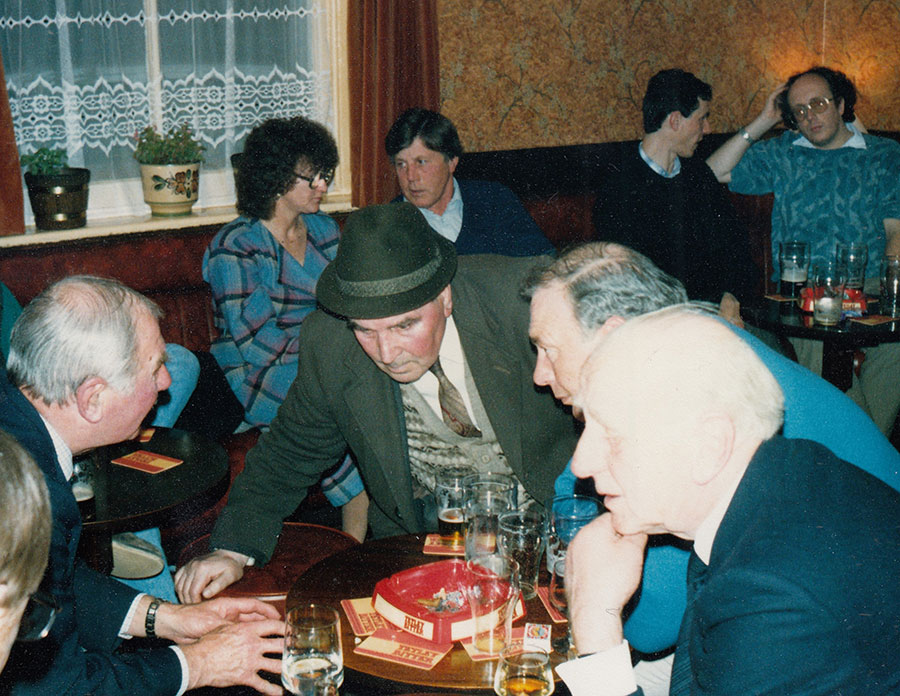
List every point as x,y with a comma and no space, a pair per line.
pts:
95,344
675,405
277,153
24,536
582,295
391,280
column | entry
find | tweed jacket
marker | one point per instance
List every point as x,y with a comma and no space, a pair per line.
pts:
341,400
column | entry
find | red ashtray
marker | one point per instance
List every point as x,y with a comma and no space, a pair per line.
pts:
429,601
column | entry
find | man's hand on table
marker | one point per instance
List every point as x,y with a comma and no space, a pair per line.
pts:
185,623
233,654
205,576
603,570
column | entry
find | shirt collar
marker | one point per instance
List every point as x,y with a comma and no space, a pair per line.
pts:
676,167
63,453
449,224
856,140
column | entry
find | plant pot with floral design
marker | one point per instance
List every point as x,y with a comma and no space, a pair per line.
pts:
170,169
170,189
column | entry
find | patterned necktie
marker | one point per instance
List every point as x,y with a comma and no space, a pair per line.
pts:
453,408
682,677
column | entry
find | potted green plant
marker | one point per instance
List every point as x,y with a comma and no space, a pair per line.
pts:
170,169
58,193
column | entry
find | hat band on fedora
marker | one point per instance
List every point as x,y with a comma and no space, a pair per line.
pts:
389,286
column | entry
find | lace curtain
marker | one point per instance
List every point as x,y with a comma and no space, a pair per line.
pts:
86,75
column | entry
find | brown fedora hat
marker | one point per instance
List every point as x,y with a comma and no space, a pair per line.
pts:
389,261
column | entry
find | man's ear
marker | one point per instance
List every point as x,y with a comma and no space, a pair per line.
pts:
674,120
714,439
610,325
89,398
451,164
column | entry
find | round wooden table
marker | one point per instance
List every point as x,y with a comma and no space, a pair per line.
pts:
351,574
839,342
128,500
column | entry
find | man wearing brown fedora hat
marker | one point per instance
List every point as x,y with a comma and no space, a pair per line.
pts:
419,361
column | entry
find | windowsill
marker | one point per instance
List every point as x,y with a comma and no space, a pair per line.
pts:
112,227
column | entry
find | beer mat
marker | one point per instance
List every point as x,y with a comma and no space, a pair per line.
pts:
437,545
537,637
515,645
781,298
146,435
363,618
142,460
873,319
395,645
544,594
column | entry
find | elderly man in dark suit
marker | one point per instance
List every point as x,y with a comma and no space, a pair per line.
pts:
403,323
85,366
796,553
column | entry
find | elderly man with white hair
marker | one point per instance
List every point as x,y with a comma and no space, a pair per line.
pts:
796,553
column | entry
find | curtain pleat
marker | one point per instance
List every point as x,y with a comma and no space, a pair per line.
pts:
12,211
393,65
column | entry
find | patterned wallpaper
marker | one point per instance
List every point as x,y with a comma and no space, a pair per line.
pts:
518,74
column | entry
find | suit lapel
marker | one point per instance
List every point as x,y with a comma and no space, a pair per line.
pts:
373,400
496,373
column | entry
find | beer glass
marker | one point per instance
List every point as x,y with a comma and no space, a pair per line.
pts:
793,257
853,258
313,658
828,300
521,537
526,672
492,590
890,286
450,496
565,515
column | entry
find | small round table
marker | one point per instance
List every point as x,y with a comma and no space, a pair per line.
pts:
839,342
353,573
128,500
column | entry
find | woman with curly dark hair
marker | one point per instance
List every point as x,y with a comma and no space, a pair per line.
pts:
263,267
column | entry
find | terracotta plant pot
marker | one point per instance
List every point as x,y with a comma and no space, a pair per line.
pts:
59,201
170,189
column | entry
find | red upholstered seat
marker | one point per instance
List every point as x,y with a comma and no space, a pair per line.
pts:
299,546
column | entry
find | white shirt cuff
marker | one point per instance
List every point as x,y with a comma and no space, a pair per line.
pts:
608,673
184,669
123,629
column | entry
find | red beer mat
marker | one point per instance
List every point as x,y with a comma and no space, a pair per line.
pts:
363,618
395,645
142,460
437,545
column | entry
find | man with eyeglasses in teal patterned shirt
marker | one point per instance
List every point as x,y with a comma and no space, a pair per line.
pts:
833,183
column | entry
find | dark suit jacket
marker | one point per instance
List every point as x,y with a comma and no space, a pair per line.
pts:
80,655
495,222
800,596
340,399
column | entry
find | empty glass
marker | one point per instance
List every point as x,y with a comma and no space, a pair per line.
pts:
828,298
853,258
521,537
492,589
487,497
565,515
890,286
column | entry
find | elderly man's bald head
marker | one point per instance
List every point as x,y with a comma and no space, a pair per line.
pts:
675,405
